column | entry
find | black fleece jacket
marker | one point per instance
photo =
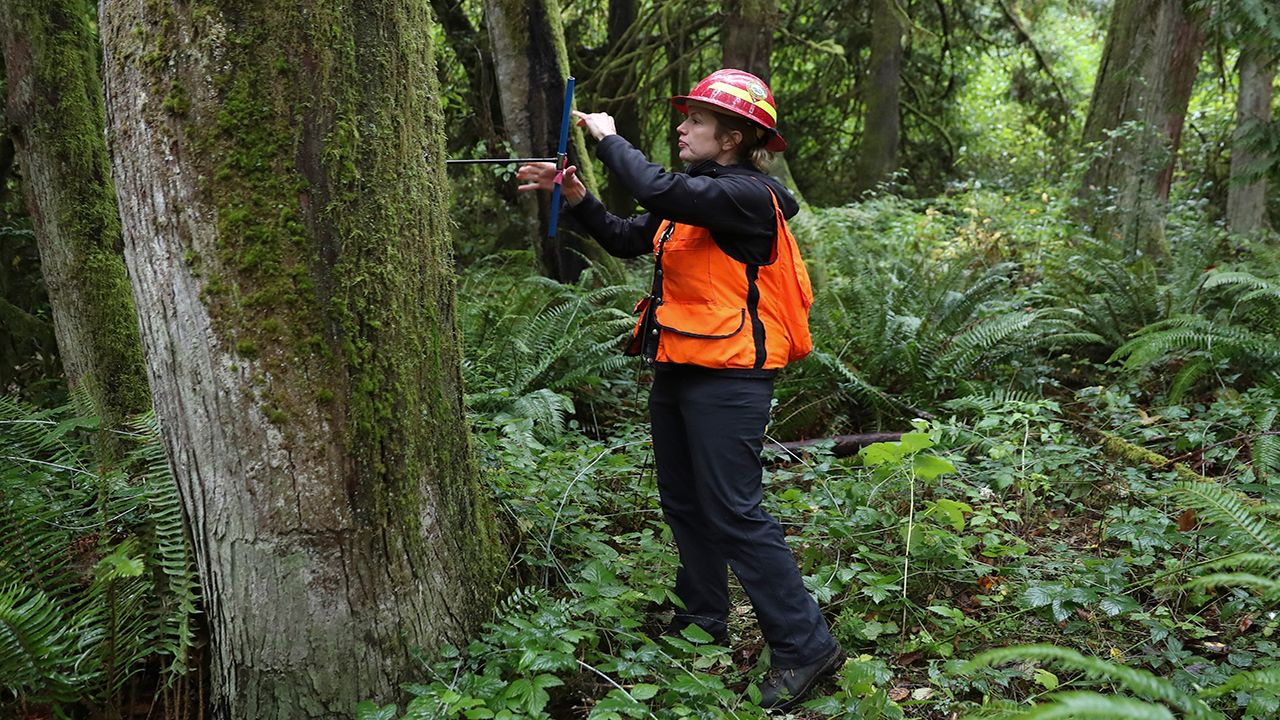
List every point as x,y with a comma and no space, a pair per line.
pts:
730,201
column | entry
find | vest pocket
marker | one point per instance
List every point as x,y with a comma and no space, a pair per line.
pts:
699,320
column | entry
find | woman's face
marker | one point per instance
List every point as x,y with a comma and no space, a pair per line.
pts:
698,138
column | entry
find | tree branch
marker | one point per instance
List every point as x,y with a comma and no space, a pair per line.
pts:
1041,60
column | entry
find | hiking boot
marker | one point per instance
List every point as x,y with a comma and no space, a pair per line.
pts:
784,687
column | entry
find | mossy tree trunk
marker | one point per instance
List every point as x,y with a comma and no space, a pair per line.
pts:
1139,105
1247,192
55,117
882,123
532,63
282,191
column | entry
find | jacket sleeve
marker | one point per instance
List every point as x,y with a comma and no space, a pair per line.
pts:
620,237
729,205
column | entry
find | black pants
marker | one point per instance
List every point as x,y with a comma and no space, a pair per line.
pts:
708,432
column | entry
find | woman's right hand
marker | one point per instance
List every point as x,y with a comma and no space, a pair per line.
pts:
542,176
600,125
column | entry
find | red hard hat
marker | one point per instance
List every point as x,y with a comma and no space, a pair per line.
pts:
741,93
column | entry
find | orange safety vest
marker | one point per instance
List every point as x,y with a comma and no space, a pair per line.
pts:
710,310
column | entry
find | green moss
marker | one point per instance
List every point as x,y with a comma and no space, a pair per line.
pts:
176,102
1121,449
247,348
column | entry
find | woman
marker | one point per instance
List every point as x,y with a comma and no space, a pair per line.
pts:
728,307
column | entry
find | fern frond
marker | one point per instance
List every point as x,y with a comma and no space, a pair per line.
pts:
1140,682
35,644
544,407
1254,562
979,341
1254,287
957,307
1266,448
60,523
1267,680
1227,507
1194,333
1092,706
849,382
1187,376
1266,587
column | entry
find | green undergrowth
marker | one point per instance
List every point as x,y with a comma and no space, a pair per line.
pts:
1001,523
1032,545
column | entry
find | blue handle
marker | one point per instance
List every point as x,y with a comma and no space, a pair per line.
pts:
561,156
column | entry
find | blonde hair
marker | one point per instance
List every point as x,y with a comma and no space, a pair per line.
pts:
752,148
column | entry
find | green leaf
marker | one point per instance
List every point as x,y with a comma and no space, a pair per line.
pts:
546,681
877,454
947,612
118,565
1118,605
914,442
1046,679
694,633
1092,706
1036,596
951,511
644,691
928,467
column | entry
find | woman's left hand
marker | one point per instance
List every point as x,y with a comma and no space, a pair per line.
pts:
542,176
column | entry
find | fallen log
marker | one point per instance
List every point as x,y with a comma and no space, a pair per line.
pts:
844,444
1118,448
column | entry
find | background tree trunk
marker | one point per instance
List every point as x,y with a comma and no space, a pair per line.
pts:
471,46
532,64
747,44
1139,104
746,35
624,109
676,47
882,124
283,200
1247,191
56,119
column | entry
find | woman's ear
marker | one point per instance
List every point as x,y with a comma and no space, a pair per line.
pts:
731,140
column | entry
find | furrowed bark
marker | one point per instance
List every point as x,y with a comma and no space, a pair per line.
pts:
1139,105
1247,191
281,177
